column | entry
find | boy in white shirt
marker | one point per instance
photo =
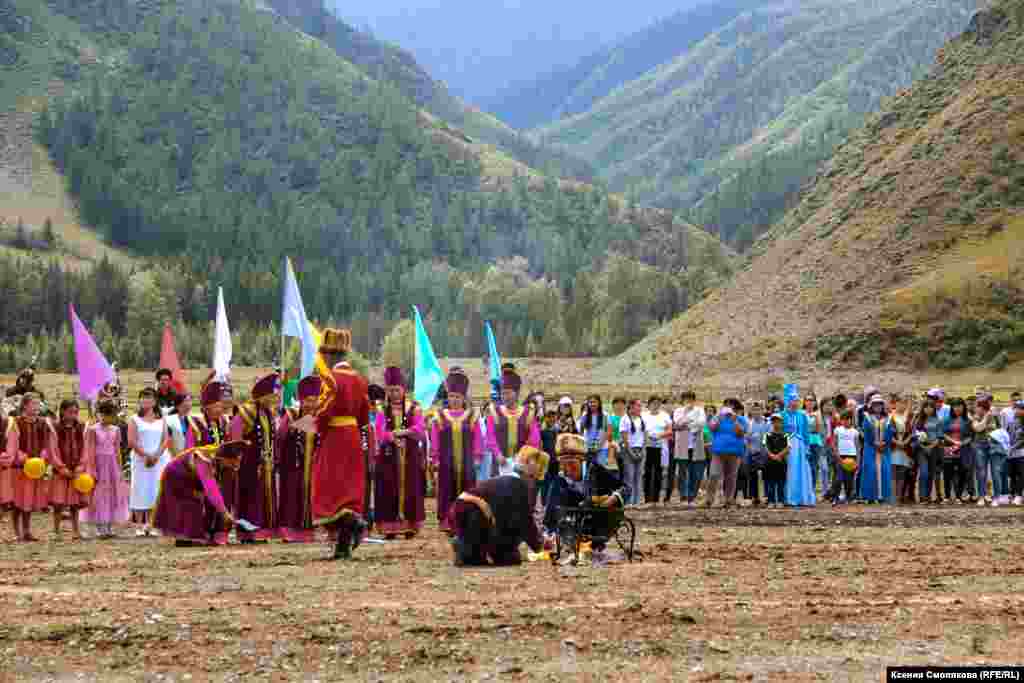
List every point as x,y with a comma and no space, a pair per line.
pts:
688,422
846,453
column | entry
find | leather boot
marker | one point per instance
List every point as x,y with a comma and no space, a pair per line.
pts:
342,546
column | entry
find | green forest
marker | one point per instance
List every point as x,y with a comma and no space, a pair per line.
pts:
212,140
728,127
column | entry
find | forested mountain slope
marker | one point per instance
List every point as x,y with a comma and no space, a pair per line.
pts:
730,126
573,90
907,249
209,139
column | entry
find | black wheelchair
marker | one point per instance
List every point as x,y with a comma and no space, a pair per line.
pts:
594,524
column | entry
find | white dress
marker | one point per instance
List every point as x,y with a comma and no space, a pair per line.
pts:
146,480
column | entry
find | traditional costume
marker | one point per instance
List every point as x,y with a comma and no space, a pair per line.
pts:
876,470
294,465
490,520
377,396
191,507
400,466
509,428
456,444
211,429
602,489
70,456
256,424
109,503
339,471
30,437
795,423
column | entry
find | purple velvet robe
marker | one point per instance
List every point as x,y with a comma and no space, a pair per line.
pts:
190,506
457,444
255,500
399,486
294,466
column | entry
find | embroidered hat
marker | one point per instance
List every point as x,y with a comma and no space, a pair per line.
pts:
267,386
308,387
393,377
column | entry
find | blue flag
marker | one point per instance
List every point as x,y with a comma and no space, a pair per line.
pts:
294,322
493,362
429,376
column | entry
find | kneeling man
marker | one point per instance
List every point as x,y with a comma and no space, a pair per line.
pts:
491,519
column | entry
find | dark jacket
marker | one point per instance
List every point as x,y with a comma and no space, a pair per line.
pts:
509,499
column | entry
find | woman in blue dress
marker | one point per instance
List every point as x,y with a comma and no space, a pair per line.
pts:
799,481
876,466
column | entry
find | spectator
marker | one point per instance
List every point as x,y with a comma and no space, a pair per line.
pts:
633,431
756,455
728,431
657,425
688,422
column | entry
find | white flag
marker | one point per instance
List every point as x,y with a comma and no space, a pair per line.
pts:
221,341
294,322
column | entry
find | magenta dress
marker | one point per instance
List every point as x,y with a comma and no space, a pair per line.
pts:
456,446
110,497
189,506
400,477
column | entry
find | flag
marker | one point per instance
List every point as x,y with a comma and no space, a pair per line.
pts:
221,341
93,369
493,363
169,360
429,376
295,323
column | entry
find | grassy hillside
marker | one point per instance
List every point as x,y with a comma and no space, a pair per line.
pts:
905,252
730,126
573,90
387,62
209,139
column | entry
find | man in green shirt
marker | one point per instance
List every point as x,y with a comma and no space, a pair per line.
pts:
618,410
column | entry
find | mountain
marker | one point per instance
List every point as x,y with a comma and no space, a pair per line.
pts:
576,88
730,126
477,47
906,252
387,62
204,140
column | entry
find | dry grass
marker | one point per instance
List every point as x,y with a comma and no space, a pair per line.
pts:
748,595
37,192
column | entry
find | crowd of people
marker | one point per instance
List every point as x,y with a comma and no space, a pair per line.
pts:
352,457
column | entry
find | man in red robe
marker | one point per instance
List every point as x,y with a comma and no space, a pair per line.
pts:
255,422
339,470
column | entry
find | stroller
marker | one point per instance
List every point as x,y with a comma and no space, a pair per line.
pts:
588,520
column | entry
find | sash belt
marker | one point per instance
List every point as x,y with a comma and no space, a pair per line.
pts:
344,421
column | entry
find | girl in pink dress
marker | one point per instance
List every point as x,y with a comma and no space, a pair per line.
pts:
103,449
69,461
28,435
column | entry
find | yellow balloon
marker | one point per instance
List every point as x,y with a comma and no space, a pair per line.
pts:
35,468
84,483
849,464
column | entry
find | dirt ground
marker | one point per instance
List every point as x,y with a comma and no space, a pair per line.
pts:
748,594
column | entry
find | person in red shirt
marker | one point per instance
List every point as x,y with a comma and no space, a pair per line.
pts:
339,469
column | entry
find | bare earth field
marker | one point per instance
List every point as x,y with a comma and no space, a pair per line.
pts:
758,595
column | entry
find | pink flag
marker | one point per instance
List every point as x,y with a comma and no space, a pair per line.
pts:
93,369
169,360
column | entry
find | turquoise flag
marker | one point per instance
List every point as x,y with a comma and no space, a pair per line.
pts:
494,360
428,371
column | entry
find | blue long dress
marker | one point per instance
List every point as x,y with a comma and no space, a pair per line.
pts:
876,464
799,482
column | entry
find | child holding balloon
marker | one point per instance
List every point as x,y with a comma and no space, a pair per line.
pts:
103,455
30,440
71,486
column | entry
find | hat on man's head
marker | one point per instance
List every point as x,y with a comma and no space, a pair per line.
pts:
308,387
393,377
336,340
267,386
511,381
457,382
570,447
214,392
529,455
